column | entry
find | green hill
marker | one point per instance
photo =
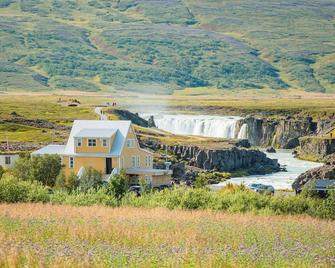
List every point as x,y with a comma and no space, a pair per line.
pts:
162,46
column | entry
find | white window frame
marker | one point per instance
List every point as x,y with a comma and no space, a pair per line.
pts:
133,161
71,162
104,142
91,139
148,160
138,162
8,160
79,142
130,143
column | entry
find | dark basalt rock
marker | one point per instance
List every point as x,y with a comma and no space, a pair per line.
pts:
318,147
326,172
282,132
222,160
270,150
133,117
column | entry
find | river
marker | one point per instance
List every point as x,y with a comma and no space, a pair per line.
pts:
225,127
279,180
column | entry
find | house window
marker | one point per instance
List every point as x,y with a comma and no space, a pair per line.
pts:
91,142
104,142
148,160
138,161
135,161
130,143
7,160
78,142
71,162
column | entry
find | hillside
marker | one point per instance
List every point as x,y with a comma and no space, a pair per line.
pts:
162,46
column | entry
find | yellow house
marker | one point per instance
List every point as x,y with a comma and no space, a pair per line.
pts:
107,146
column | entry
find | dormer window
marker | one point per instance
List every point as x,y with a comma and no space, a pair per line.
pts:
104,142
131,143
78,142
91,142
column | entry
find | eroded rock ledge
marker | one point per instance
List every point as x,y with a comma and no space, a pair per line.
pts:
324,172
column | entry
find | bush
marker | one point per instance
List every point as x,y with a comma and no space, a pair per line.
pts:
91,178
118,185
68,183
13,190
44,169
88,198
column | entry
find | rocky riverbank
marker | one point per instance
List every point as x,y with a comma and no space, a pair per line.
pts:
326,171
315,148
281,133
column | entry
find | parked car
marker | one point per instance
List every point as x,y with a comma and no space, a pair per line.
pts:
261,188
253,186
135,189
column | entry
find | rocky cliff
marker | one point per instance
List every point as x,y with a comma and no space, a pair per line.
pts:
327,171
277,132
315,148
228,159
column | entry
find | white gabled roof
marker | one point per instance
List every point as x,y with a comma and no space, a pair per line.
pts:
120,128
50,149
94,133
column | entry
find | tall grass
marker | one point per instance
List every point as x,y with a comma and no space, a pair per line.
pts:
37,235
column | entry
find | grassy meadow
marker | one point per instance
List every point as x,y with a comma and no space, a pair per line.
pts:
37,235
52,108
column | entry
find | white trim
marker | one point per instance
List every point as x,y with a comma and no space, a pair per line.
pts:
78,140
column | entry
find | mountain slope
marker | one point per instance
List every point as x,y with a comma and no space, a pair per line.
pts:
161,46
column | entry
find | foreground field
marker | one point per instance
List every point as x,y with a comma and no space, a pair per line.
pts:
62,236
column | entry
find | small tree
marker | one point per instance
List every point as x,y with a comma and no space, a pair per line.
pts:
44,168
118,185
91,178
21,168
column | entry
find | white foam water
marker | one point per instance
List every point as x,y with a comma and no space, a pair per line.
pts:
201,125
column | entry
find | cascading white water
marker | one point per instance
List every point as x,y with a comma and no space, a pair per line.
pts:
202,125
243,133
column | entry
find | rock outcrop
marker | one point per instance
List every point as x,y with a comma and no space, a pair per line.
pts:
280,133
315,148
327,171
133,117
225,160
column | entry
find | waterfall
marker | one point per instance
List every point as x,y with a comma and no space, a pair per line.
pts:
243,133
202,125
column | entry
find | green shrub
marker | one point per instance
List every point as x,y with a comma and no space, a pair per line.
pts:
13,190
44,169
89,198
91,178
118,185
196,198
